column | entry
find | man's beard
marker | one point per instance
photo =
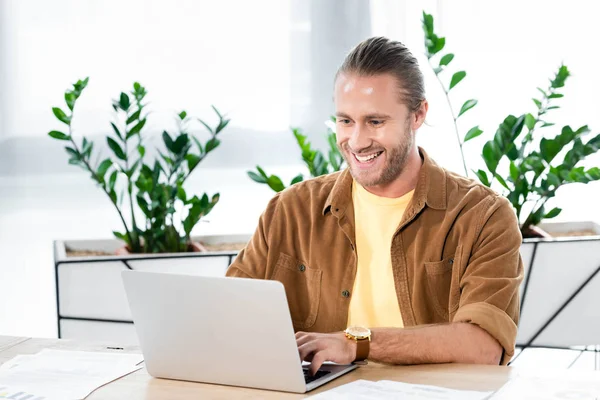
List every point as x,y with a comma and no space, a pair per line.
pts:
395,161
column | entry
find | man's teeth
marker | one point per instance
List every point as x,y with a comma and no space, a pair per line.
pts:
367,158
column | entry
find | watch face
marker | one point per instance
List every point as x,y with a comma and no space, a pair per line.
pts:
359,332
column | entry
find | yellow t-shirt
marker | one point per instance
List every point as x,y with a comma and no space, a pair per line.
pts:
374,302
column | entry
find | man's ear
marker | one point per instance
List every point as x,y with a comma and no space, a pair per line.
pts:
420,115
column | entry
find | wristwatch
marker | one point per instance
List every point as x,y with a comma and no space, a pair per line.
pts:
362,336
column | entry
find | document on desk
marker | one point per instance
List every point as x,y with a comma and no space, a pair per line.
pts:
367,390
64,375
552,385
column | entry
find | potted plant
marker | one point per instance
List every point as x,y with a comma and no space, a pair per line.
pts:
528,166
146,187
317,163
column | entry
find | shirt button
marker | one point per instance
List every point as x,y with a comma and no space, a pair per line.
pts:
451,261
302,268
346,293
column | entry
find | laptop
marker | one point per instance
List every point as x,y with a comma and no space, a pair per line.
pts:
227,331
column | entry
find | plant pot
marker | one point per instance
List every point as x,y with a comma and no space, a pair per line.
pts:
561,290
90,298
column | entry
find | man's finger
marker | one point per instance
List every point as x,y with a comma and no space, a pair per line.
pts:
300,340
318,359
307,349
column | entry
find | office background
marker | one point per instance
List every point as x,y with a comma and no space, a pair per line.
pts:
269,64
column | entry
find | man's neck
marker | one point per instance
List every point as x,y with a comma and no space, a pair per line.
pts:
405,182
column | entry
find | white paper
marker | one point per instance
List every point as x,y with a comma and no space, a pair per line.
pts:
20,394
367,390
552,385
65,375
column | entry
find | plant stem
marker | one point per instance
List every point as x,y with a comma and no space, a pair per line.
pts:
137,245
454,119
91,170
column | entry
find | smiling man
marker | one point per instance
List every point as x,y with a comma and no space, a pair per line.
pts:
395,259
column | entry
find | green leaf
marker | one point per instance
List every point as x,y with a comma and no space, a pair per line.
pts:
116,148
182,115
427,23
275,183
193,160
491,156
124,102
456,78
547,124
72,152
560,78
61,116
206,126
217,111
70,100
222,125
141,150
473,133
136,129
168,142
445,60
59,135
543,92
256,177
556,96
530,121
514,171
439,45
200,148
483,178
553,213
467,106
103,168
113,180
262,172
549,149
537,103
116,130
134,117
501,181
297,179
212,144
181,195
122,237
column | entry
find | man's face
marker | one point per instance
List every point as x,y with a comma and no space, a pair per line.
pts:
375,130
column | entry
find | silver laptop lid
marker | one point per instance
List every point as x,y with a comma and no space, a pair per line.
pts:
218,330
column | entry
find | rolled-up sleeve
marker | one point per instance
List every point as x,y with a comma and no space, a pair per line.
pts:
490,284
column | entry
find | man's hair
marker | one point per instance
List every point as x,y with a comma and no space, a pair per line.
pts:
380,55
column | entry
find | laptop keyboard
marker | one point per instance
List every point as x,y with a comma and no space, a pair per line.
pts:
308,378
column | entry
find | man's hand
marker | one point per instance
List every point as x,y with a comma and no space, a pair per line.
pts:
317,348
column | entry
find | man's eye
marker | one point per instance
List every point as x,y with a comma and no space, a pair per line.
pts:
376,122
344,121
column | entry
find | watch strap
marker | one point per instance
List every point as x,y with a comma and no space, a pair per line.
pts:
362,349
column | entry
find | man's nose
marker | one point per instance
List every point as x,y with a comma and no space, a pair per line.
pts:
359,139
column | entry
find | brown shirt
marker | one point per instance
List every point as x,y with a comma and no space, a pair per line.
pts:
455,254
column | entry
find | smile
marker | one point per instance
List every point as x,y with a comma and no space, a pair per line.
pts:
367,158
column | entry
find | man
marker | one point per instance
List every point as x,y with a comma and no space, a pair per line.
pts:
420,264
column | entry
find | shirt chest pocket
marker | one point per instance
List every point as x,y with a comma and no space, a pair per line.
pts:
302,287
442,284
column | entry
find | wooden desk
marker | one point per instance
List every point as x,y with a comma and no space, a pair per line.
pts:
140,385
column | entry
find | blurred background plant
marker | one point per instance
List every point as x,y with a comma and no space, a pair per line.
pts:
316,161
156,188
527,171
